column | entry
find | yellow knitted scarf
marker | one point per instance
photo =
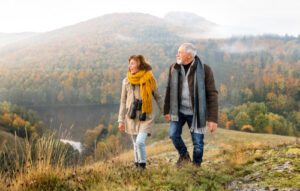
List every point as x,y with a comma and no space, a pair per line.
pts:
147,83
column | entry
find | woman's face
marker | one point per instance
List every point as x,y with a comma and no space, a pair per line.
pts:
133,66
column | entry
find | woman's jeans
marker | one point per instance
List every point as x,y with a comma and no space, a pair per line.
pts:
175,135
139,147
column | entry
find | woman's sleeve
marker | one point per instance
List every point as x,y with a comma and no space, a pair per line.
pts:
159,100
122,111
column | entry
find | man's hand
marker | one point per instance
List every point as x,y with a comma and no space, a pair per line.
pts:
121,127
167,117
212,126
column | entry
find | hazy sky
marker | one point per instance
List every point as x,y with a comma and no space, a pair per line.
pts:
259,16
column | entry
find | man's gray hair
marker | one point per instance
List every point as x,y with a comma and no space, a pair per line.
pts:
190,48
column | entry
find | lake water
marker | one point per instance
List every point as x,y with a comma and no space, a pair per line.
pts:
76,145
73,121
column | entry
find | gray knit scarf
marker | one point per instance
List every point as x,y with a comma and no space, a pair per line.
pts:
199,110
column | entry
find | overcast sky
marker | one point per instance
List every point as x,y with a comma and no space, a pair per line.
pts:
259,16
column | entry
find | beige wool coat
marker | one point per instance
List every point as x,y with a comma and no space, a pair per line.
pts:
134,126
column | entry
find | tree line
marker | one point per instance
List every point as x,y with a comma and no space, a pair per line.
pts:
247,70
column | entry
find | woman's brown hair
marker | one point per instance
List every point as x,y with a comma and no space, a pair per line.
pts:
141,60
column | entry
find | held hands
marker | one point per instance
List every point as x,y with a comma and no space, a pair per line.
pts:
212,126
121,127
167,117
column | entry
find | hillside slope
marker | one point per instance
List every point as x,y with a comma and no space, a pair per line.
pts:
232,161
9,38
107,34
7,140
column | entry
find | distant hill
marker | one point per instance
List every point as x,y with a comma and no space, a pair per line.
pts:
9,38
118,27
193,25
99,35
92,47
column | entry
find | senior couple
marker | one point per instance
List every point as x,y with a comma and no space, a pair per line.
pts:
191,97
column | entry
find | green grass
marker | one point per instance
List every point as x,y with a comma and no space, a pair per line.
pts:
13,147
7,140
228,156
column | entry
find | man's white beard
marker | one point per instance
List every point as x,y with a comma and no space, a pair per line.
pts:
179,61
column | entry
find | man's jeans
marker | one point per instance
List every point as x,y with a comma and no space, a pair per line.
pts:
175,135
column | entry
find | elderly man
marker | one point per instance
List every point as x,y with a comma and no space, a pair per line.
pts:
191,97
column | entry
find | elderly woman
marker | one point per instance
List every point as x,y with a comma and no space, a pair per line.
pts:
136,115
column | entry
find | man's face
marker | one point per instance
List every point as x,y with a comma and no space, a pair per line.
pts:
182,56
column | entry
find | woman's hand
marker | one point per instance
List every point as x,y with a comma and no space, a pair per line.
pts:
121,127
167,117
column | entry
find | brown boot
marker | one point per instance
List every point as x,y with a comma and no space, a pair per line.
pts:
185,158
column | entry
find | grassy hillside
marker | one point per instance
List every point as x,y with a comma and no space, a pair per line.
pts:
7,140
232,160
11,148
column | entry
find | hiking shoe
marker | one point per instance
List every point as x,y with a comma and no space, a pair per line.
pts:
195,164
142,166
185,158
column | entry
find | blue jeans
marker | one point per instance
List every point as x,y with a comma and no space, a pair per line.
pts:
139,147
175,135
